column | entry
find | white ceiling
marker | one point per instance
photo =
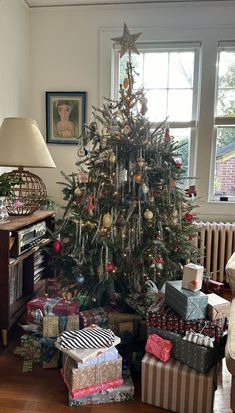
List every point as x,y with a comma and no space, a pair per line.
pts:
54,3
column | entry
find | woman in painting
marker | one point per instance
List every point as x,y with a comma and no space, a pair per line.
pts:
64,127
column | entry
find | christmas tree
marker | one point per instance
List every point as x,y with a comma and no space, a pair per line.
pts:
127,220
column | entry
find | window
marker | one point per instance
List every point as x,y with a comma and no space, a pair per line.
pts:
224,148
169,75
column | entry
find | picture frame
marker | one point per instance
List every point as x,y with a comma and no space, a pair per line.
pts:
65,116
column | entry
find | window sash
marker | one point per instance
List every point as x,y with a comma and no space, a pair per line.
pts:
219,121
169,47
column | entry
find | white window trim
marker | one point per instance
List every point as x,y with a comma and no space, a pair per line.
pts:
222,121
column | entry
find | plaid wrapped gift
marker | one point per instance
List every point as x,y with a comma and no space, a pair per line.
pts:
189,305
177,387
77,378
96,316
41,306
54,325
122,393
162,316
211,286
197,357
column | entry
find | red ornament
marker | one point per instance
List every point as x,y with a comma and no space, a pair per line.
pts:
188,217
159,260
110,267
57,246
90,202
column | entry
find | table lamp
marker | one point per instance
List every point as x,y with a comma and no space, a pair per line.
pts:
22,145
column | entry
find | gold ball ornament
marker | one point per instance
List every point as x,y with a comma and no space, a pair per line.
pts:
112,158
148,214
77,191
175,213
137,178
107,220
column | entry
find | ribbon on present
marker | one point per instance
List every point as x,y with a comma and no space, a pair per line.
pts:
199,338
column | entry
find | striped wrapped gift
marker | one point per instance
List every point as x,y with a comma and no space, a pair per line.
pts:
177,387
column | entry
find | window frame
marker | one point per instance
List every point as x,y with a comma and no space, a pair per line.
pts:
192,124
219,121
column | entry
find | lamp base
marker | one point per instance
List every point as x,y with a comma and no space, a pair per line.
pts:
26,197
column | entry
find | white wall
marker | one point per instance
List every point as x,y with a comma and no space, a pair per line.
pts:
14,59
71,51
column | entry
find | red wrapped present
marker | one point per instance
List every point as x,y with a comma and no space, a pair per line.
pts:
96,316
162,316
212,286
38,307
52,288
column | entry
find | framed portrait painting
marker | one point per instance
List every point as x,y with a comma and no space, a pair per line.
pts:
65,116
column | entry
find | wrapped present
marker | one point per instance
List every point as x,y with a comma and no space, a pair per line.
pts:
189,305
85,391
109,355
114,317
41,306
211,286
96,316
30,348
176,387
81,355
120,323
50,354
122,393
77,378
54,325
52,288
197,357
217,307
192,277
162,316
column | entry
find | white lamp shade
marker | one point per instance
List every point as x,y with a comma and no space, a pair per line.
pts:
22,144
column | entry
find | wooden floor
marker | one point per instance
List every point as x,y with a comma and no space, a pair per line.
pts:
43,391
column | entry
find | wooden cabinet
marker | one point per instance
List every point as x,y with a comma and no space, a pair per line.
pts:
19,279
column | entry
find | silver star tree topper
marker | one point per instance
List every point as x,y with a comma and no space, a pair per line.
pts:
127,41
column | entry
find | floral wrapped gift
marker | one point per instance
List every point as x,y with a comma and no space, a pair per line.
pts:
77,378
122,393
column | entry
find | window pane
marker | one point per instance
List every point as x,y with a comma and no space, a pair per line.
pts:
157,101
224,182
226,84
155,70
180,105
226,102
181,70
137,61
